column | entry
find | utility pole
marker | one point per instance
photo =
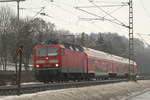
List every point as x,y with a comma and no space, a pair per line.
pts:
18,1
18,14
20,54
131,42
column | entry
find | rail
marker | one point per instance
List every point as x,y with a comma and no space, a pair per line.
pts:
33,88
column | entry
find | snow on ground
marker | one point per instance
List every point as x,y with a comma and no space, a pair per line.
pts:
116,91
145,95
28,83
11,67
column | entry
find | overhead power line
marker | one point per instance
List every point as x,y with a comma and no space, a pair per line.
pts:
90,13
122,5
38,12
24,8
113,11
69,11
44,14
10,0
90,19
66,10
105,12
109,2
62,20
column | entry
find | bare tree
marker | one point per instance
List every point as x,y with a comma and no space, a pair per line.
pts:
33,32
42,30
6,15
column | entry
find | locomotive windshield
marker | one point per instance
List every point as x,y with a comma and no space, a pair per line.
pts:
52,51
41,52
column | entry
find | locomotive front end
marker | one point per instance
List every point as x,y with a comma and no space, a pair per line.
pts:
47,62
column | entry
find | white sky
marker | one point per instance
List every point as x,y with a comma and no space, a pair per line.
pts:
66,17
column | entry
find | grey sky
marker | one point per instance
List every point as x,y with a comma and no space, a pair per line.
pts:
66,17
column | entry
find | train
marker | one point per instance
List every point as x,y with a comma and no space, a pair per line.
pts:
59,62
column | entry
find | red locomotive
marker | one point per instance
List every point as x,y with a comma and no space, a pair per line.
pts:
70,62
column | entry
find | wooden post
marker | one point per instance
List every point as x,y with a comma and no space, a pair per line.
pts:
20,53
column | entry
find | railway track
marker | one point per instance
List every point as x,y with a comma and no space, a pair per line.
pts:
9,77
33,88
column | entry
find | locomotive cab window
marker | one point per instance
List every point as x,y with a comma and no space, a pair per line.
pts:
52,51
41,52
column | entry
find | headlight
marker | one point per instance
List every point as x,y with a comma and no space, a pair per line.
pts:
56,65
53,61
37,66
40,61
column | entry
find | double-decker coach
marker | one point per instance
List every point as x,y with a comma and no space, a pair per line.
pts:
105,65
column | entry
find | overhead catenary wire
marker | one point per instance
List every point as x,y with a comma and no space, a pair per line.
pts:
114,10
106,12
90,13
101,6
90,19
109,2
73,13
68,11
38,12
24,8
32,9
62,3
64,9
66,22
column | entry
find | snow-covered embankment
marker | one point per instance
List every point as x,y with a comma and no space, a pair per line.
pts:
115,91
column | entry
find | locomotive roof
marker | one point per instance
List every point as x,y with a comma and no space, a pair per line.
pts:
41,46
